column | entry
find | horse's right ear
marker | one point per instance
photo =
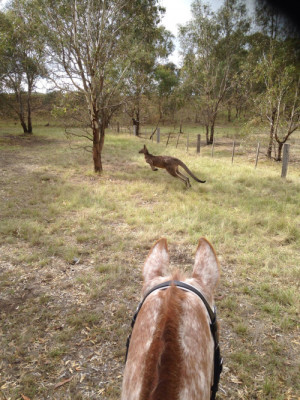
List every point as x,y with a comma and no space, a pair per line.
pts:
157,262
206,268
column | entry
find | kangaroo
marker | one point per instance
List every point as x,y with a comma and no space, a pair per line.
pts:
171,164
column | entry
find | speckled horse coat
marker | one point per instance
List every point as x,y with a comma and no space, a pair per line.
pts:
171,349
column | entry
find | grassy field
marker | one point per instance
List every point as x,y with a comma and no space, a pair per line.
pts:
72,245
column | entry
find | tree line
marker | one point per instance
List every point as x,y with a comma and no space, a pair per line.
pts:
110,55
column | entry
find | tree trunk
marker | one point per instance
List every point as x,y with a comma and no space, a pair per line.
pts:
279,154
136,122
207,134
21,112
97,148
23,124
229,112
212,133
29,121
160,111
271,139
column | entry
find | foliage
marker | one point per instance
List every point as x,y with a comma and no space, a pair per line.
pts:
139,79
166,80
112,57
23,59
92,44
271,70
212,45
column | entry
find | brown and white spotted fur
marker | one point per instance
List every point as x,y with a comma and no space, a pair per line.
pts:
170,164
171,349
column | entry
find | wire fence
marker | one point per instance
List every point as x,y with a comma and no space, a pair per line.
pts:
251,148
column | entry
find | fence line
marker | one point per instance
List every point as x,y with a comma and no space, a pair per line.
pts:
197,144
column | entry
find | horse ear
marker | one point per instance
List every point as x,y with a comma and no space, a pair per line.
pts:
206,268
157,261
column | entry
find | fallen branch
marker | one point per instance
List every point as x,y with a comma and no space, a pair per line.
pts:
62,383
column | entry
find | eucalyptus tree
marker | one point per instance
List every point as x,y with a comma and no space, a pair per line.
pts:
91,44
278,101
274,60
212,44
139,83
166,81
22,60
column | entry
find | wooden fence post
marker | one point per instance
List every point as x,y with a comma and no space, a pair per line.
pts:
168,139
177,139
198,143
158,135
233,149
118,127
257,154
285,159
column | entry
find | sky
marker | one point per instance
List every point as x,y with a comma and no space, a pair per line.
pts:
179,12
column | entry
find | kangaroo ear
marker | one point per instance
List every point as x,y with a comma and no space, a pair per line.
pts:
206,268
157,261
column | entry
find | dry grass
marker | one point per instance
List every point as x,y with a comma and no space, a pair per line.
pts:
72,245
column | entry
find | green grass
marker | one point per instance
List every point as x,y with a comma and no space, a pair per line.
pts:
54,210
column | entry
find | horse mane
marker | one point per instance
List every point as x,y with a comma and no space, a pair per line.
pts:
163,368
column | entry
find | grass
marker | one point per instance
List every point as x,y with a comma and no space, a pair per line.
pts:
61,318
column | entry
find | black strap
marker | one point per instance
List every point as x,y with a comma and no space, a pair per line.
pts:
218,361
218,367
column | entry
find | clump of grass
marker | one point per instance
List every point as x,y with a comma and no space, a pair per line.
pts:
57,352
29,385
244,359
83,318
270,388
240,328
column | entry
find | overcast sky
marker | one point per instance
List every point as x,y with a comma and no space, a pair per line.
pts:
179,12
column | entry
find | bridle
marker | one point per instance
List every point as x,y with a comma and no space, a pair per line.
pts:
218,361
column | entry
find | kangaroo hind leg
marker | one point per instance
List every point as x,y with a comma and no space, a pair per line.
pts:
173,171
184,178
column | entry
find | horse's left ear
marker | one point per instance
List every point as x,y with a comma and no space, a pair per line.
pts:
206,268
157,261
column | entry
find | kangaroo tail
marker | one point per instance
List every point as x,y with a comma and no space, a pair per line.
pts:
189,172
